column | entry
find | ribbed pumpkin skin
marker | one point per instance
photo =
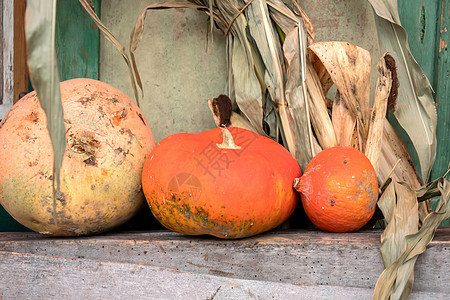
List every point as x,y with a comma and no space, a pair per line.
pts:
107,139
241,193
339,189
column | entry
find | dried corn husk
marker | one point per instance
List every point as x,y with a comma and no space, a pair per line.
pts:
400,254
399,206
318,111
415,108
349,68
392,150
40,27
343,122
382,92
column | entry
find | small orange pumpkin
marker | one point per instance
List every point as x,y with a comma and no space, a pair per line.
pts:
195,185
339,189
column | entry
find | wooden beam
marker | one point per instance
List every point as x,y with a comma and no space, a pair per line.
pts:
170,264
7,60
20,52
43,277
443,93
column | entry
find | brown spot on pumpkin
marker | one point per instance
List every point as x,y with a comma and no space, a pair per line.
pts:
91,161
61,197
332,202
33,163
85,100
118,116
345,162
141,117
33,117
83,142
112,100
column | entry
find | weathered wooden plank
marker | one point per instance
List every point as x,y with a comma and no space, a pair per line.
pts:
443,93
26,276
20,52
300,257
7,56
420,19
77,41
426,22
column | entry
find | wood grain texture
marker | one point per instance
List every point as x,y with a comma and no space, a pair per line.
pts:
443,93
279,264
77,41
43,277
420,19
426,22
7,56
20,52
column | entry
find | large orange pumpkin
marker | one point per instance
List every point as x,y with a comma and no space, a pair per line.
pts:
339,189
196,185
108,140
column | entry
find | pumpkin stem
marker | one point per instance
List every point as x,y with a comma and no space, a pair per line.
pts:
228,142
296,184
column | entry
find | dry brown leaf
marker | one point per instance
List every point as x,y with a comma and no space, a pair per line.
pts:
376,126
349,68
399,206
318,111
343,122
392,150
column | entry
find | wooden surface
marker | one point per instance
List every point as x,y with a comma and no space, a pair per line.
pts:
6,100
77,41
20,52
426,22
443,93
162,264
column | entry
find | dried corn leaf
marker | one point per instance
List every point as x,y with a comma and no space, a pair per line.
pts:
399,206
392,150
324,76
247,88
376,126
349,68
40,16
320,119
285,17
415,108
294,49
343,122
395,281
89,7
266,39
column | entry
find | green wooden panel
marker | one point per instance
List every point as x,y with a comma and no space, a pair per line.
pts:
419,18
443,94
77,41
426,22
77,45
